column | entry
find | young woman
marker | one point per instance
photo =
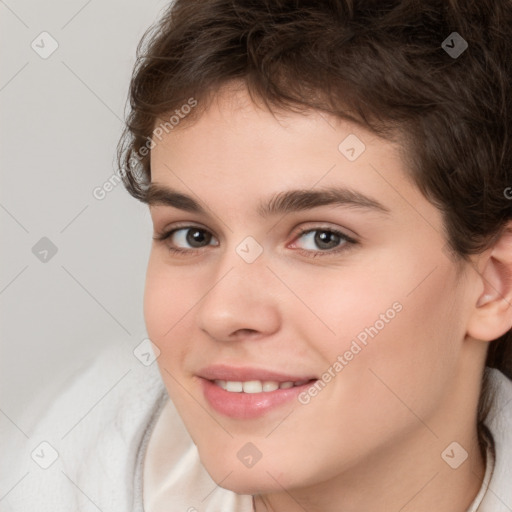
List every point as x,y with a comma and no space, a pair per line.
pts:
329,289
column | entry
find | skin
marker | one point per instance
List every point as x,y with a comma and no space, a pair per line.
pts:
372,439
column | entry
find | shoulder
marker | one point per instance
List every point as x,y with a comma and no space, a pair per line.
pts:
83,447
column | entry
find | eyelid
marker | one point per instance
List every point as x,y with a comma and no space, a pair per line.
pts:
164,234
180,225
322,225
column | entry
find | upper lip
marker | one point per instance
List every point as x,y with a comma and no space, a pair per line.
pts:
246,373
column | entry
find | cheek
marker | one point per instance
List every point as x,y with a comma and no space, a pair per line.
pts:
165,302
399,326
345,304
166,305
413,356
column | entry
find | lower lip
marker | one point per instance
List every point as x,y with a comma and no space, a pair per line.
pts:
248,405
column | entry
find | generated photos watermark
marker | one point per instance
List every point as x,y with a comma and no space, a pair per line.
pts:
356,346
101,191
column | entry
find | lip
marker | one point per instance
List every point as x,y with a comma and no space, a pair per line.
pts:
248,405
245,373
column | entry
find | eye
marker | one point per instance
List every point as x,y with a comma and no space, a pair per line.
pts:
320,241
195,236
325,241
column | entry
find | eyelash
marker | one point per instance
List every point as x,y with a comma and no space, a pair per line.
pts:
349,241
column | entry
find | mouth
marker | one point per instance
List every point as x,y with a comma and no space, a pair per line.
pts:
243,393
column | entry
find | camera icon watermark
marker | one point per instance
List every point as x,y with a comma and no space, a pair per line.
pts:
146,352
249,249
44,250
44,455
249,455
44,45
351,147
454,455
454,45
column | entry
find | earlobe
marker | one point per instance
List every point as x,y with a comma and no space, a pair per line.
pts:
492,313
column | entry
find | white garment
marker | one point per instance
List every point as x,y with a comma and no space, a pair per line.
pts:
184,483
489,469
101,426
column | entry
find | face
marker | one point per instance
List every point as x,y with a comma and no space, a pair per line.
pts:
354,294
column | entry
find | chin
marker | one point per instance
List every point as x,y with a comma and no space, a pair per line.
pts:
243,486
263,477
247,483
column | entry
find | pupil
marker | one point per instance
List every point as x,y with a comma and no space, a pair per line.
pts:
323,237
197,237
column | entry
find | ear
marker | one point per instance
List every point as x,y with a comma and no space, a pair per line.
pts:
492,313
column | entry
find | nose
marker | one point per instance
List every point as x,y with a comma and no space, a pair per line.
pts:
242,301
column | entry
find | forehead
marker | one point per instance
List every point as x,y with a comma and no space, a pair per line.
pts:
238,149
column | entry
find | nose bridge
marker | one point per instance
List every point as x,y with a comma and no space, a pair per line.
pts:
241,295
240,274
244,260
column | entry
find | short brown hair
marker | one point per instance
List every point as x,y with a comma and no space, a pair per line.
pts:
382,64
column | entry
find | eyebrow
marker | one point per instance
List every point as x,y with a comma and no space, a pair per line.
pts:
281,203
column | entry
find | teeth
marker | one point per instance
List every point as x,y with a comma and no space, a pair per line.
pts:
252,386
256,386
234,386
221,383
270,385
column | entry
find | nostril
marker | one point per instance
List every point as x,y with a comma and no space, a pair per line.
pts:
245,332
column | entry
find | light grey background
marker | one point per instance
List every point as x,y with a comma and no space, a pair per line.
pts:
61,118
